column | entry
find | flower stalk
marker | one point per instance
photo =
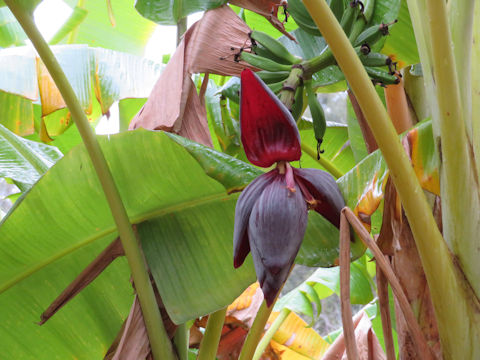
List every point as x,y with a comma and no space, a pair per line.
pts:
255,333
262,345
159,341
213,332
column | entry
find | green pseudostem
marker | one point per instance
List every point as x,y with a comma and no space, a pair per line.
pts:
159,341
456,313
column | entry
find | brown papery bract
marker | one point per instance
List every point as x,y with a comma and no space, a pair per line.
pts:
133,343
209,46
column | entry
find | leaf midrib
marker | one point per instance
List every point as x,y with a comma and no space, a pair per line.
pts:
110,230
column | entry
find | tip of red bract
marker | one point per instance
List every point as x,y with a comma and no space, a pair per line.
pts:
268,131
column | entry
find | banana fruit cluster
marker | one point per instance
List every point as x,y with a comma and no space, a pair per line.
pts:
276,62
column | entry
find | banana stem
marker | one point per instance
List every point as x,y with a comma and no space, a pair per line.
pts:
159,341
213,331
255,333
318,63
450,292
180,340
287,94
262,345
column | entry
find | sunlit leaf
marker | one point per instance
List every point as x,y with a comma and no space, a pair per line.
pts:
401,43
93,72
16,113
24,160
130,33
335,145
168,12
127,109
11,32
74,20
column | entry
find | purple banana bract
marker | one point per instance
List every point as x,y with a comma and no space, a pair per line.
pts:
271,213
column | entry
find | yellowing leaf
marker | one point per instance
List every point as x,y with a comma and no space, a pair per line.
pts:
297,337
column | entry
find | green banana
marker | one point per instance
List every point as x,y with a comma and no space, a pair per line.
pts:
375,59
318,117
263,52
356,29
297,107
368,7
372,34
263,63
276,87
302,17
269,77
349,16
274,46
381,76
337,7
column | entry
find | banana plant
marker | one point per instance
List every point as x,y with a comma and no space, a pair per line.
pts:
186,227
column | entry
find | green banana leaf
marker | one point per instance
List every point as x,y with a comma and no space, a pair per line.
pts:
323,283
335,146
16,113
74,20
64,221
169,12
401,43
130,32
23,160
55,230
11,32
127,109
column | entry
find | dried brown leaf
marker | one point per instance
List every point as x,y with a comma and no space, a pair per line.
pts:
162,108
337,349
409,271
213,42
368,346
245,307
89,274
397,240
209,46
133,343
50,96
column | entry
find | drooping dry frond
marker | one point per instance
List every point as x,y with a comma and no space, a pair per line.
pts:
209,46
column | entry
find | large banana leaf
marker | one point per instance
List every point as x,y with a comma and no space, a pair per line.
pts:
129,33
401,43
169,12
185,220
